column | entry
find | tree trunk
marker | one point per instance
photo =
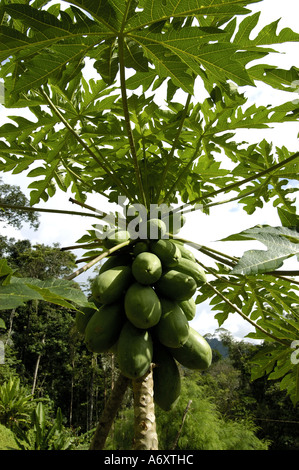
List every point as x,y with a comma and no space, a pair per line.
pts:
37,367
182,424
72,394
145,434
91,391
109,413
9,333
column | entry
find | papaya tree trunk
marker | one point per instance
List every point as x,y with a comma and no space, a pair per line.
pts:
145,434
109,413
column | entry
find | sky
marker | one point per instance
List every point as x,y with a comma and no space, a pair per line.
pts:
223,220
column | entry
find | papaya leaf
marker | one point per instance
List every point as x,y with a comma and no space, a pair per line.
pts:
59,292
16,294
267,35
6,272
52,44
288,219
275,361
155,11
191,46
109,13
280,79
281,243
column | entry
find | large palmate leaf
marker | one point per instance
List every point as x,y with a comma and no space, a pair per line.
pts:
45,51
276,362
46,44
266,36
47,41
279,360
259,297
153,12
190,46
56,291
281,242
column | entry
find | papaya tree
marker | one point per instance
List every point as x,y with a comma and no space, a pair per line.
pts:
140,102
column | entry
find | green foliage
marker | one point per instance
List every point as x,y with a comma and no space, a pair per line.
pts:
13,195
262,401
281,243
204,428
39,261
44,435
15,404
152,42
45,265
7,439
56,291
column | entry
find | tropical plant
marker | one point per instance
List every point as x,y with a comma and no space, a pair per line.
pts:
110,135
7,439
15,404
194,423
44,435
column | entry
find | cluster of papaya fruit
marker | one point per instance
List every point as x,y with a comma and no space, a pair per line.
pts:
144,296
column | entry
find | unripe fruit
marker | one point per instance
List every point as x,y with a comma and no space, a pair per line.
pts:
146,268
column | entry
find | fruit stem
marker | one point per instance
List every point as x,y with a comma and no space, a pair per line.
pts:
237,184
171,153
104,164
40,209
239,311
209,251
133,151
96,260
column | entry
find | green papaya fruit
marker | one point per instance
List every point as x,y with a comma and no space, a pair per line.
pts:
115,237
140,247
174,221
142,306
167,379
173,327
176,286
189,308
113,261
134,351
109,286
194,270
82,318
146,268
184,251
156,229
103,329
168,252
195,353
